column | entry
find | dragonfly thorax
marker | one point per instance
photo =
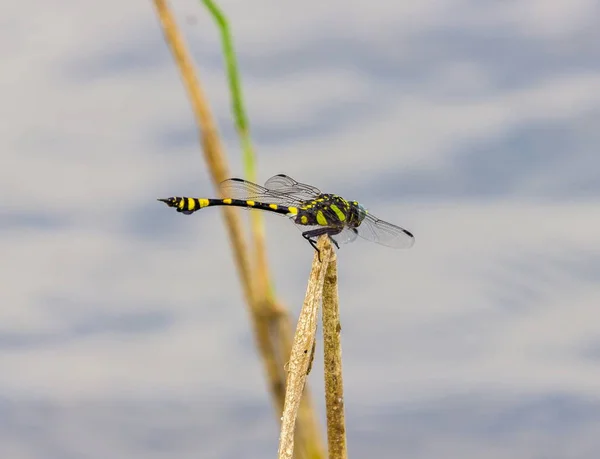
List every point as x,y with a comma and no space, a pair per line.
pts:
325,210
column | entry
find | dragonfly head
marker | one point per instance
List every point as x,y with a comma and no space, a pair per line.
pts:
357,214
362,212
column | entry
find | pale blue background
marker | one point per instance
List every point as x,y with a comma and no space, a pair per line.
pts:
472,123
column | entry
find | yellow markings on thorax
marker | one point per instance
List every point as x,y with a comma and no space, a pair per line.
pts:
304,219
251,203
321,220
311,204
340,215
227,201
292,211
273,206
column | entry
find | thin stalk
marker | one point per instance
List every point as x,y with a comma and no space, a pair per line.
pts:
334,384
210,140
242,126
233,77
300,357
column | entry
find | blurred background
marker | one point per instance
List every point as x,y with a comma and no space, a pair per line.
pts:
474,124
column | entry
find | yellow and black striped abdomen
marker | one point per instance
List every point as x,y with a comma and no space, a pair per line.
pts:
190,205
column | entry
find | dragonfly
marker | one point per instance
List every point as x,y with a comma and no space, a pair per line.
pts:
314,212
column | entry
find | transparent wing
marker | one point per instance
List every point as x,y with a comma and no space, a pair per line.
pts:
346,236
287,185
237,188
384,233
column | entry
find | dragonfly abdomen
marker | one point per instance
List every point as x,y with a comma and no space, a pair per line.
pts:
190,205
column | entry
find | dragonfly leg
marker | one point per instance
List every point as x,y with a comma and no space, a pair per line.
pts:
312,235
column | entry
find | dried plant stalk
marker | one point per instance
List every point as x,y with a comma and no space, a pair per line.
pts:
334,387
301,348
308,436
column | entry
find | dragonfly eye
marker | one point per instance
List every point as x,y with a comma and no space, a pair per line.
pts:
361,212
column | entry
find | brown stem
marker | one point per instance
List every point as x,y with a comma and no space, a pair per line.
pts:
334,387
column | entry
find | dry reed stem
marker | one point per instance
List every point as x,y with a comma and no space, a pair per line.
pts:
271,324
301,348
334,387
308,436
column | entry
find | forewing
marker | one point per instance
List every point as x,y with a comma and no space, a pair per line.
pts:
237,188
384,233
287,185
